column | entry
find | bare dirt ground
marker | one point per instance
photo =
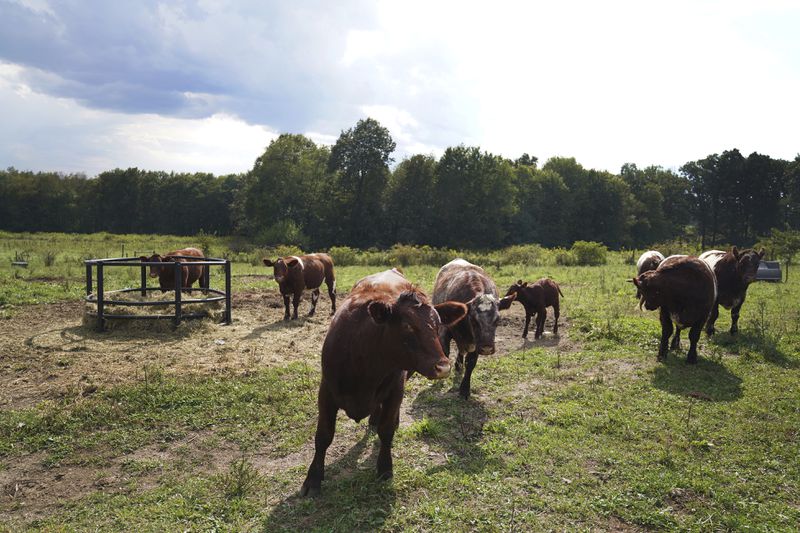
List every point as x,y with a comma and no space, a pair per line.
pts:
46,352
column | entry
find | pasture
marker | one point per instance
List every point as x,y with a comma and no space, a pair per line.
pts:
211,426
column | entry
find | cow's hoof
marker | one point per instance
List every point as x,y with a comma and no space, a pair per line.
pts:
464,393
385,476
286,317
308,491
734,331
710,332
524,335
691,360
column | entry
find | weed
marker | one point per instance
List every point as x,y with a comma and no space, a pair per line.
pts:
239,481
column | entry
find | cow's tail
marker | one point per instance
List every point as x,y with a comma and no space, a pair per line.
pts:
559,290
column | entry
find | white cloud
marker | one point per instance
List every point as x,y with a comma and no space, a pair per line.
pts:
42,132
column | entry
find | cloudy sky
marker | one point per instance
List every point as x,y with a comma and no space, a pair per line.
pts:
87,86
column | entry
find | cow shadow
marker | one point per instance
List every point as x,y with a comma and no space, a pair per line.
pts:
455,426
278,325
352,496
708,379
756,342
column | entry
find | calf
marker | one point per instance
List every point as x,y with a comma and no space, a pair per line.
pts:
464,282
166,273
383,329
536,298
735,271
295,273
684,290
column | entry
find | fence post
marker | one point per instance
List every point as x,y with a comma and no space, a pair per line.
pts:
144,280
228,291
100,319
178,285
88,279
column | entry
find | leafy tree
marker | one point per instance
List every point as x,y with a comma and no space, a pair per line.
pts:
361,158
408,208
783,245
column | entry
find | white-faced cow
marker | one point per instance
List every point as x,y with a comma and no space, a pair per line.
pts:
735,271
648,261
385,328
684,290
461,281
295,274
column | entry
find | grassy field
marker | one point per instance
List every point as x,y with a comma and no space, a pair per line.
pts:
582,432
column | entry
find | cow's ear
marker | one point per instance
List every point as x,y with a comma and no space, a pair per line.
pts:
293,262
143,258
268,262
506,302
524,284
635,281
735,252
451,312
761,253
380,312
519,282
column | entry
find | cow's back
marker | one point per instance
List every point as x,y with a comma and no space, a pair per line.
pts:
316,268
461,281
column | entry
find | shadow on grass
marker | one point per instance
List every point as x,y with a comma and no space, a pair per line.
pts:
459,425
707,379
751,342
278,325
352,499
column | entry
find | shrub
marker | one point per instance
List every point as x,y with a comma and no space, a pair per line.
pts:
564,257
343,255
525,254
283,232
589,253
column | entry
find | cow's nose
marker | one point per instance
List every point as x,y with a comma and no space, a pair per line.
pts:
441,370
153,274
487,350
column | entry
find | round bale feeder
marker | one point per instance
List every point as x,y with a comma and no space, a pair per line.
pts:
100,299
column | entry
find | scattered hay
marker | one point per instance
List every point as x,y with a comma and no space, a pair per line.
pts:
212,310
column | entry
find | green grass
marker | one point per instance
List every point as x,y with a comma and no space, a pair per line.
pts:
597,437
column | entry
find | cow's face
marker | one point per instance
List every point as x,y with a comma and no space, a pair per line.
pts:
282,266
412,326
747,262
515,289
484,317
649,290
155,270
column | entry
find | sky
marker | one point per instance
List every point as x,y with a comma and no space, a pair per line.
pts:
88,86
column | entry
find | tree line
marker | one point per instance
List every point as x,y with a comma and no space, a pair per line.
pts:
317,196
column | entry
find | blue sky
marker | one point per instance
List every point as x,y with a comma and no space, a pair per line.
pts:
88,86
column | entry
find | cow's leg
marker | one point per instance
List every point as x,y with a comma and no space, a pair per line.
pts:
471,361
375,416
694,336
676,339
387,424
666,332
326,426
286,315
527,323
555,318
460,361
314,300
735,316
296,303
540,318
331,283
712,318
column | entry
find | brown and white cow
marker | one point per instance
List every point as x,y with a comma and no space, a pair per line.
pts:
536,298
461,281
648,261
295,274
166,273
735,271
385,328
684,290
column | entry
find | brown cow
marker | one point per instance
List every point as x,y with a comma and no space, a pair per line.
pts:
536,298
735,271
461,281
166,273
684,290
295,273
384,328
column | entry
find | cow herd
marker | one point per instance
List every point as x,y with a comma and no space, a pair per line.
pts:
387,328
688,291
